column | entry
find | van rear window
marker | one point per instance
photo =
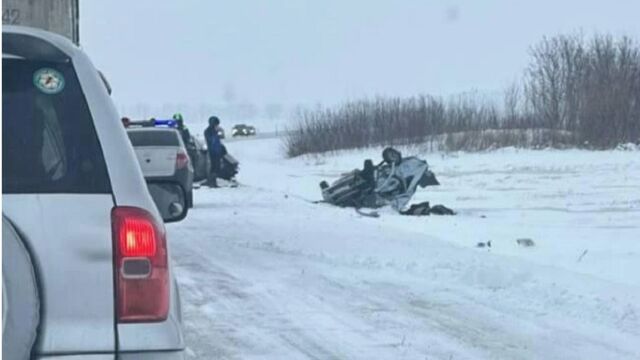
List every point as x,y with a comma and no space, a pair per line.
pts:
49,143
154,138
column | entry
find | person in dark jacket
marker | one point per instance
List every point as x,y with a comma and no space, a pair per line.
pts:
215,148
184,131
188,141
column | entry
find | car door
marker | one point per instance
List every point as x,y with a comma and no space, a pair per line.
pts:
200,160
57,195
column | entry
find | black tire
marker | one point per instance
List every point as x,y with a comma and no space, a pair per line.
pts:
20,296
190,199
391,156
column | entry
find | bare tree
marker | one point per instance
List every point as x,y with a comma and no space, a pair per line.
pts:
573,93
611,92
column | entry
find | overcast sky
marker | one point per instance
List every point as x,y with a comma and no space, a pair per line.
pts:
294,51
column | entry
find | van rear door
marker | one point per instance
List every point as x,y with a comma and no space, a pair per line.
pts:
56,193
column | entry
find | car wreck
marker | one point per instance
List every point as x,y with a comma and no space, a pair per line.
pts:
392,182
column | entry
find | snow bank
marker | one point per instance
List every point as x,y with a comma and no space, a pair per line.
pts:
267,274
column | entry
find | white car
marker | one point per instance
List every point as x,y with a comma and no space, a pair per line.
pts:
86,270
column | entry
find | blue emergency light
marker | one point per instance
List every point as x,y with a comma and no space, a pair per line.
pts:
167,123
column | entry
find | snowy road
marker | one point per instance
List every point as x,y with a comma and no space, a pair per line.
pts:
264,274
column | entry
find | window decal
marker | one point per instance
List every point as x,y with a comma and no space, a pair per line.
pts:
48,80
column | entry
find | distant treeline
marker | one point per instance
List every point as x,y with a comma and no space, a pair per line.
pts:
575,92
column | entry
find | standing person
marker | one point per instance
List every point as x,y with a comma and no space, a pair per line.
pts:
188,141
184,131
214,146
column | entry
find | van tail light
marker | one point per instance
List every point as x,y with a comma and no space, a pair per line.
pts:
182,160
141,266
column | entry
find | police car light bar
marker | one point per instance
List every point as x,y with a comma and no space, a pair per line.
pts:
168,123
154,122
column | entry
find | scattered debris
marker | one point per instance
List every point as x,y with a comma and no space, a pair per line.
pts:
525,242
441,210
423,208
583,254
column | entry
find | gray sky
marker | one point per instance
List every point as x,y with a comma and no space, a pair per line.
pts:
192,52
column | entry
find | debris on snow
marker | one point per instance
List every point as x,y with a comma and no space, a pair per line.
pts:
525,242
423,208
582,255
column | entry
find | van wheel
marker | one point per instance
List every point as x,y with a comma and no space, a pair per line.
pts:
20,296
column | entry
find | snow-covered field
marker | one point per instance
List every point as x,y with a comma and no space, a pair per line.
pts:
265,274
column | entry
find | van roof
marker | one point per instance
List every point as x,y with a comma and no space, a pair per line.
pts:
32,43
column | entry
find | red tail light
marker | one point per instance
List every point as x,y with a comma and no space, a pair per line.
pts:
141,266
137,238
182,160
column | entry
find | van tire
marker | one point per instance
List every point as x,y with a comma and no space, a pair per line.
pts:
20,299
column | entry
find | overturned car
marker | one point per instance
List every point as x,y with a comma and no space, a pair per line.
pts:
392,182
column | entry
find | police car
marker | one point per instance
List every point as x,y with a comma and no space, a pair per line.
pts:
162,154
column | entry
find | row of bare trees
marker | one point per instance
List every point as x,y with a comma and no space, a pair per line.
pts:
585,92
589,87
390,121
